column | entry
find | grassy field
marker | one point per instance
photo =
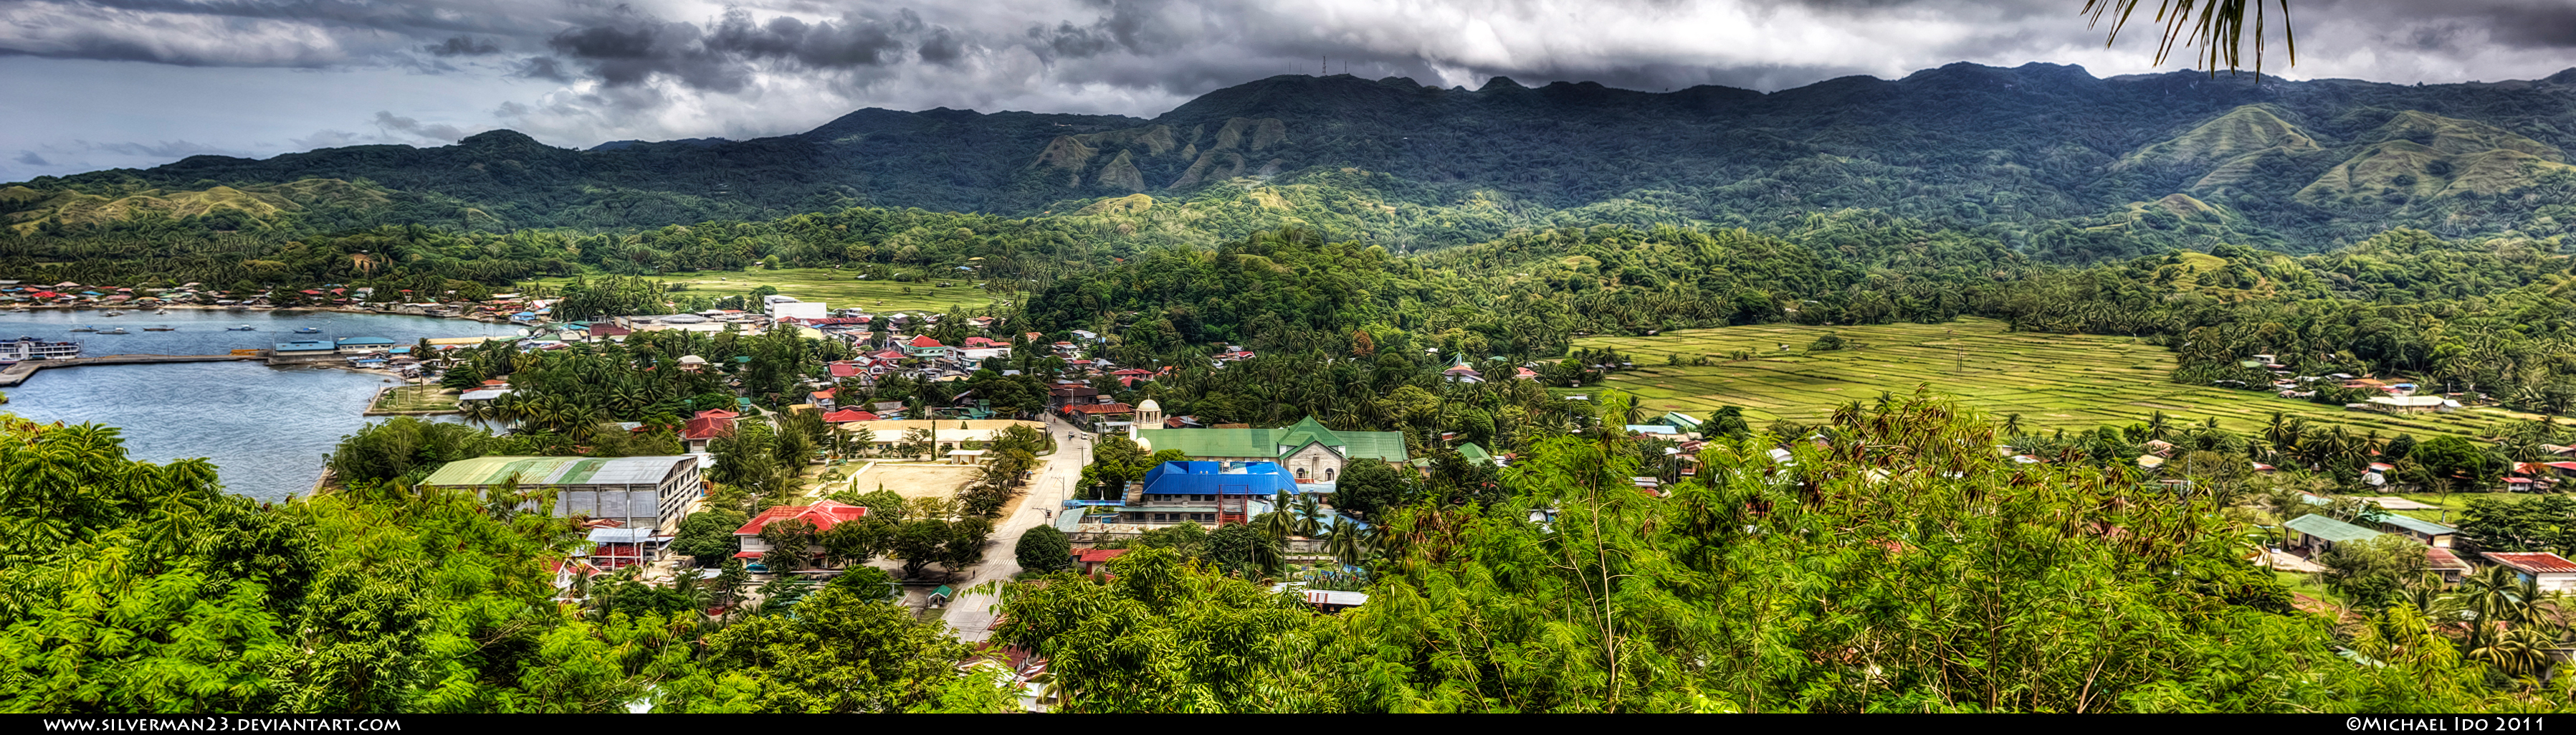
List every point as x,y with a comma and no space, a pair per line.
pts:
838,289
2052,380
912,480
413,399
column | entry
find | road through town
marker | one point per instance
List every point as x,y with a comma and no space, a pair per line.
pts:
971,615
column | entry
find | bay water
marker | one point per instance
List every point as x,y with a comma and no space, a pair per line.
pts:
266,429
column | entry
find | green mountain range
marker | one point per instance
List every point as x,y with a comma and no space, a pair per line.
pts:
2048,159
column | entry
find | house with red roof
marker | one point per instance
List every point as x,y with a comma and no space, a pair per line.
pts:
846,369
2550,572
924,346
706,426
1092,559
848,415
823,515
821,398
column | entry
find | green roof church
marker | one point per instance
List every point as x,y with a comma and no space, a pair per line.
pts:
1306,449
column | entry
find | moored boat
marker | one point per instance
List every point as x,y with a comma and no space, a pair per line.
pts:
84,329
163,328
242,328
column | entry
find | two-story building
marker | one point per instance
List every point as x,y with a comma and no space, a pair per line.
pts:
640,492
1208,493
924,347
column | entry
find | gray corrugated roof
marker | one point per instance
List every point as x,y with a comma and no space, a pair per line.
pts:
2329,529
620,535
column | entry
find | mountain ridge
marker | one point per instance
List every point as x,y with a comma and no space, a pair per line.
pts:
1968,143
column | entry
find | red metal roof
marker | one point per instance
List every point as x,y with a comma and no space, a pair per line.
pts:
924,341
847,415
707,427
1094,556
824,515
844,370
2533,562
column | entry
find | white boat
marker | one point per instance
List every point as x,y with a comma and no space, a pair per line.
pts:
114,313
118,330
163,311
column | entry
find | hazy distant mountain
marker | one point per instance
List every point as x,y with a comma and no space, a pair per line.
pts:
2035,148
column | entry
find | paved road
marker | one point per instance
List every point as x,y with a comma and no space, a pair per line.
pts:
971,616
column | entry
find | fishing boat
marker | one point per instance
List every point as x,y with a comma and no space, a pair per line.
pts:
308,330
118,330
113,313
84,329
162,328
242,328
163,311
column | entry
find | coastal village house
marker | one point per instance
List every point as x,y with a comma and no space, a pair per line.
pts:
1306,449
356,345
637,492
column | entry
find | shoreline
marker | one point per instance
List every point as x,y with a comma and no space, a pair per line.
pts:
397,378
147,309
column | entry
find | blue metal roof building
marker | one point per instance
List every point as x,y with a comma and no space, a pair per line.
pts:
1260,479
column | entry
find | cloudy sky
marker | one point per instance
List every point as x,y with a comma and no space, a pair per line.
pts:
95,84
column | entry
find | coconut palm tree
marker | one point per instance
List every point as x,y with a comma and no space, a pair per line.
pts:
1349,543
1309,520
2519,652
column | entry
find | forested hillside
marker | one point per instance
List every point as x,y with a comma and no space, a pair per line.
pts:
2045,159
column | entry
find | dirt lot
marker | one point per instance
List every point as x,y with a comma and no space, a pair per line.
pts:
915,480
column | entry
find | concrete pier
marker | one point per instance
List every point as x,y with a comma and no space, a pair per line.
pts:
18,373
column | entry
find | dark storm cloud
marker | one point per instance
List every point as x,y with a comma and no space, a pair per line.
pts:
724,56
2551,25
541,67
463,46
30,158
942,47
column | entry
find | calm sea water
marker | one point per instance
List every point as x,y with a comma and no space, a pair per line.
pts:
266,428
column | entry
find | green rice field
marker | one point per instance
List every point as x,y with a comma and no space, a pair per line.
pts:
2052,380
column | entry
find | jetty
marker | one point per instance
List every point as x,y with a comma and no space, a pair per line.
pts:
15,374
